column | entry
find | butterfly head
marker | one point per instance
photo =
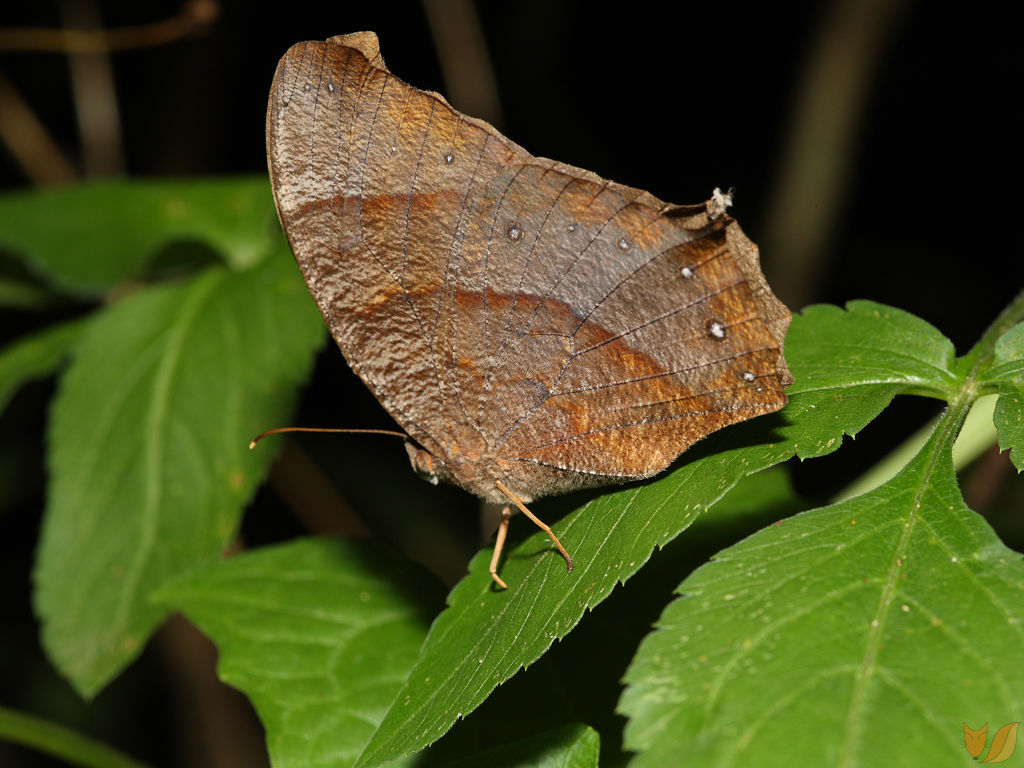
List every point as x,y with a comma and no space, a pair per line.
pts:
423,463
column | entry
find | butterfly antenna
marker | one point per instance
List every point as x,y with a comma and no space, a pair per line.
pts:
279,430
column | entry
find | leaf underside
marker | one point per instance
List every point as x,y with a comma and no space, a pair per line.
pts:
149,460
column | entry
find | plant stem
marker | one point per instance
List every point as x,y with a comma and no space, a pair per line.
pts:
52,739
982,352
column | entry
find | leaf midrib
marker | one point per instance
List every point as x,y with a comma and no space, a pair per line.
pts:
155,432
942,441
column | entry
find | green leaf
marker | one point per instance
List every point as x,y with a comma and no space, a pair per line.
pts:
35,356
1007,374
485,637
571,746
870,343
850,364
863,633
86,238
318,633
148,450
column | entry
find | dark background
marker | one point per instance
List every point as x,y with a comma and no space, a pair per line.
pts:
673,102
919,212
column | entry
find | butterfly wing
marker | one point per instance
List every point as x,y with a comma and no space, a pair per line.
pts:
521,319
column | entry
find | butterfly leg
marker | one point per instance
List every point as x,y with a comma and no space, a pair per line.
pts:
536,521
499,545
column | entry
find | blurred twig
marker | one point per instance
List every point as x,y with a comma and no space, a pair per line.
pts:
465,64
193,18
92,84
92,87
29,142
816,161
311,496
217,725
990,475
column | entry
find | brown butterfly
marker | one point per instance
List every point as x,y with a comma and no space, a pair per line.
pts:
533,328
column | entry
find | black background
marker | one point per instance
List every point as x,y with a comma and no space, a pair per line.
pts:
673,101
674,98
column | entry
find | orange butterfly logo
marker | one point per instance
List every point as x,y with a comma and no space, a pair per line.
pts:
1003,743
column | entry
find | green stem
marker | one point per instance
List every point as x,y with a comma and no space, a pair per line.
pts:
977,434
981,355
58,741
